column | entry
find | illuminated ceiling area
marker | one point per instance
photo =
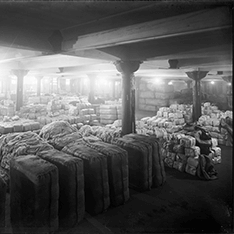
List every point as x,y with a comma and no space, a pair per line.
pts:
74,39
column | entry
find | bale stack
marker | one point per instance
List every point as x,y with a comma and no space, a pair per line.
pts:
153,96
34,209
158,171
139,162
71,186
97,197
117,161
108,114
2,202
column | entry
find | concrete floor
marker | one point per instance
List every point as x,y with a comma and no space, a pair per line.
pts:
184,204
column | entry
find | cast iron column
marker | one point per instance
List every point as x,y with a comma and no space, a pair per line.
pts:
20,74
196,76
127,69
228,80
92,80
39,78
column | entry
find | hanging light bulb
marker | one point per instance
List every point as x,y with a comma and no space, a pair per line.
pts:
170,83
212,82
229,83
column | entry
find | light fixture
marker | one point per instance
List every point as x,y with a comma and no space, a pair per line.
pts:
212,82
170,83
229,83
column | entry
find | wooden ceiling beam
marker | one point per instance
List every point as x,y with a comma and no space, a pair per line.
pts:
196,22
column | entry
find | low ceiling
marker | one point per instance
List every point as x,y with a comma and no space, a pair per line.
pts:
73,39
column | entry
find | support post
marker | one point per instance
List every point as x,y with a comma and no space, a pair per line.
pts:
189,84
113,89
92,81
20,74
228,80
196,76
39,79
127,69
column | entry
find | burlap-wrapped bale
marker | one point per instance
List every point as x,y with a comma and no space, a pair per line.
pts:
34,193
59,142
97,197
117,160
71,186
2,202
158,171
139,162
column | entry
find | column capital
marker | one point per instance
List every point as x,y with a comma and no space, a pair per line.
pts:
127,66
196,75
19,72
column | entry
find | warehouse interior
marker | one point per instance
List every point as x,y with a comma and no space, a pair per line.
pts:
125,88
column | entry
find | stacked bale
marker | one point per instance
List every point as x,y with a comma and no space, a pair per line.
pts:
158,172
117,161
139,162
97,197
71,186
34,194
2,202
210,120
152,96
108,114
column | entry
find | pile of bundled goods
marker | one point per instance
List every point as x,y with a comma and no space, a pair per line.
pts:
3,192
146,168
14,144
152,97
95,154
56,129
41,196
7,108
97,197
39,99
16,124
33,111
191,154
167,120
117,162
210,120
118,105
71,186
108,114
106,133
88,115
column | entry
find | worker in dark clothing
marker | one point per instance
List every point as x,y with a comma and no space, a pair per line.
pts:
226,123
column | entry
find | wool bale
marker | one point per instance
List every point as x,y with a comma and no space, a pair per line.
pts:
18,127
139,163
147,94
117,161
71,186
35,126
158,171
2,202
193,161
188,141
96,180
192,151
34,193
